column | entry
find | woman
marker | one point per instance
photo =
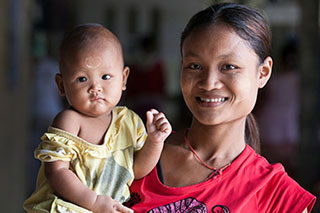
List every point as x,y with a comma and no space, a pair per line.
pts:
209,167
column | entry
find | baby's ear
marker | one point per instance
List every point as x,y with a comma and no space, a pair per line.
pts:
59,83
125,75
265,70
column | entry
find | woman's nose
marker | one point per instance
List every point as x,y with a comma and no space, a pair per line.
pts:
210,80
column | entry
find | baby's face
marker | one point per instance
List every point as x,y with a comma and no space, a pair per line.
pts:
94,79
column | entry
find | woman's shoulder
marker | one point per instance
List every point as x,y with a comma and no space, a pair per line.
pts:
272,181
257,166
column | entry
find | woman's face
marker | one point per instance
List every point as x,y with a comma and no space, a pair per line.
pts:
221,75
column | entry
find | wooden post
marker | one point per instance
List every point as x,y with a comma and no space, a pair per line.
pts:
309,148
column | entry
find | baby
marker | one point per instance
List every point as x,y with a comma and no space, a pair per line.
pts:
94,149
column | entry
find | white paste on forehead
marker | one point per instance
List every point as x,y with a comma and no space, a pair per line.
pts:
93,62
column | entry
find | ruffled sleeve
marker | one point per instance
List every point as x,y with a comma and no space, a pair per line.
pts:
54,147
127,130
140,132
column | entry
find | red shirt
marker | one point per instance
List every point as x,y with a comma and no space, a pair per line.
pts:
249,184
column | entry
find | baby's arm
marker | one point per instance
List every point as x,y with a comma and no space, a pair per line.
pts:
159,129
67,184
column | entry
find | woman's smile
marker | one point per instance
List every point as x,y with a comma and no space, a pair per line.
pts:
211,101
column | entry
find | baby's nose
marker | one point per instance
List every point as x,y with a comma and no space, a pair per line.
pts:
95,88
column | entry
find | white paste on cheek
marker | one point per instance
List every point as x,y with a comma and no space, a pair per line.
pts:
92,62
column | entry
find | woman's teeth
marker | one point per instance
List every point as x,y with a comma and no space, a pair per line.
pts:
213,100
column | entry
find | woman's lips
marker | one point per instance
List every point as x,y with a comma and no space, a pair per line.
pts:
205,101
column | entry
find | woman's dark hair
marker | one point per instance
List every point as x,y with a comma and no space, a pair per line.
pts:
251,26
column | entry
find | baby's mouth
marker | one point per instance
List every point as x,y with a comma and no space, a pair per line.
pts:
96,98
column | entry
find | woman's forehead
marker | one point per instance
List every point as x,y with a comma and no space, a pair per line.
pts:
215,37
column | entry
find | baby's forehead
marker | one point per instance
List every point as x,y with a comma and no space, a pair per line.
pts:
96,38
87,36
84,42
97,46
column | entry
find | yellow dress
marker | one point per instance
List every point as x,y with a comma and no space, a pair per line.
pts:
106,169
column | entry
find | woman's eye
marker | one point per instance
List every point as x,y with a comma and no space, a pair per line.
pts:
195,67
82,79
106,77
229,67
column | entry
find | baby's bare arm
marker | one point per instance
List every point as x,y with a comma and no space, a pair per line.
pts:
68,185
159,129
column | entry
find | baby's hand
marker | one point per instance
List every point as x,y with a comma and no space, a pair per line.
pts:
105,204
158,126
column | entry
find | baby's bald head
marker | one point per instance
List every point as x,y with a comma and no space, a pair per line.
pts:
86,38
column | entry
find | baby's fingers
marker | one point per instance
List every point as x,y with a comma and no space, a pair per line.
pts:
165,128
163,124
120,208
150,117
157,121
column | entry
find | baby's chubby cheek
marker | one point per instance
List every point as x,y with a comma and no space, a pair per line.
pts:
92,62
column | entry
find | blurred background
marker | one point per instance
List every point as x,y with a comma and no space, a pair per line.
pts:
287,110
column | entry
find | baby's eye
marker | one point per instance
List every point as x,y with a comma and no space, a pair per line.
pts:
229,67
106,77
195,67
82,79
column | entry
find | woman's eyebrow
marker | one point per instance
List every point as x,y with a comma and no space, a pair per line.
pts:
190,54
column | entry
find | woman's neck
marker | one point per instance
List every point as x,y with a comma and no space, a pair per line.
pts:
217,144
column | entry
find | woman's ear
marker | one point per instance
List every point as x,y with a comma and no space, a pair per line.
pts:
59,83
265,70
125,75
